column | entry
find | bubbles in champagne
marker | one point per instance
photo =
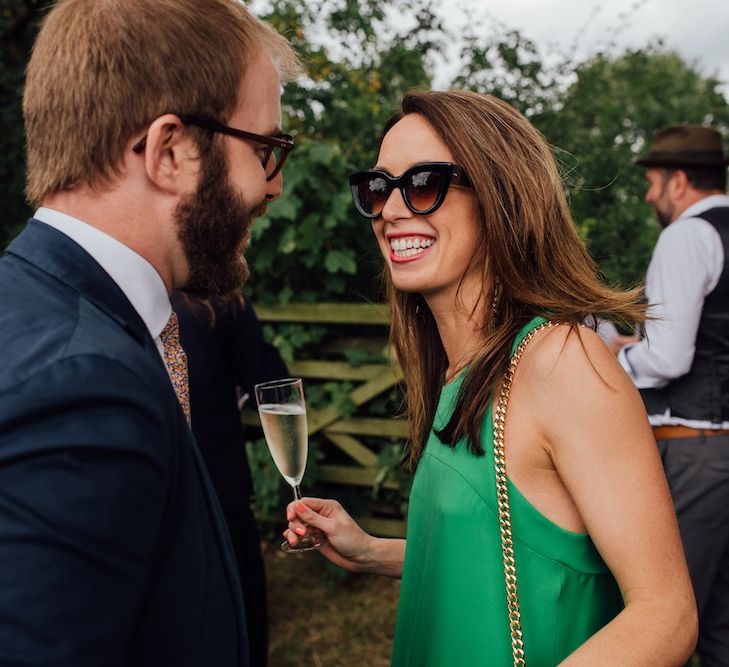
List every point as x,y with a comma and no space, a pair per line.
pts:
285,429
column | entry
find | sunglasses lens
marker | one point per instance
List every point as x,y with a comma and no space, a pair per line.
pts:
371,193
423,188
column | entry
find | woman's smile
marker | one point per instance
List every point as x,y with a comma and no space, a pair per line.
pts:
407,247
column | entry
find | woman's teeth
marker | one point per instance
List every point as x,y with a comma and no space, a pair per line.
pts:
407,247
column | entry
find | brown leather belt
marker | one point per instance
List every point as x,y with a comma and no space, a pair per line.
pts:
682,432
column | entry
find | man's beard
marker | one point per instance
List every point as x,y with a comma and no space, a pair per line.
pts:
212,225
663,207
663,217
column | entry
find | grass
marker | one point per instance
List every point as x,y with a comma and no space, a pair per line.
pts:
320,616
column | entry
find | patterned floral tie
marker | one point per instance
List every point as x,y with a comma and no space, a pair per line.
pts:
176,362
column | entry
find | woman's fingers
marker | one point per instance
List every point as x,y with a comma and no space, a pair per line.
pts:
300,515
298,527
323,506
291,537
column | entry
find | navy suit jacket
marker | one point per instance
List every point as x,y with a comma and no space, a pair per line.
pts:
113,550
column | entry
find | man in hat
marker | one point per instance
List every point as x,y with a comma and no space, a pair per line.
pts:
681,365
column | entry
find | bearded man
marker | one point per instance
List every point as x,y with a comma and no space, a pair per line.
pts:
153,140
681,365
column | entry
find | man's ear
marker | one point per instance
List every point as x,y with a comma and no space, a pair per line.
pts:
679,184
171,156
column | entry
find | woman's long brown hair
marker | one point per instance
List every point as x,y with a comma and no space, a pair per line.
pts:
528,246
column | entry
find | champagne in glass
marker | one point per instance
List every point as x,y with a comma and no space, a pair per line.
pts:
283,417
285,429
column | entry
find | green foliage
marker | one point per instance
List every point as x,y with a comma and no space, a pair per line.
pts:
272,491
331,393
18,27
606,119
391,469
510,67
310,246
291,337
357,357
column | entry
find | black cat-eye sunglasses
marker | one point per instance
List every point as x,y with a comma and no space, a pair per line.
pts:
423,187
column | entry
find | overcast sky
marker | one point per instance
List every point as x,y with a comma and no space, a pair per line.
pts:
697,29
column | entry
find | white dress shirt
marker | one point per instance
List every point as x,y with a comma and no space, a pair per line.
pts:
686,266
134,275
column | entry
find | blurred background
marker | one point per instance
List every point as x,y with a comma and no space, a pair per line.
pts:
596,78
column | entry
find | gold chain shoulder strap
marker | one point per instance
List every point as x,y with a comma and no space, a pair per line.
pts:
502,496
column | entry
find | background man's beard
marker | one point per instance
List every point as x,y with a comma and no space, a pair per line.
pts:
664,219
211,225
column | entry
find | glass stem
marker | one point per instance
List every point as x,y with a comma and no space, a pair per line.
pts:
297,492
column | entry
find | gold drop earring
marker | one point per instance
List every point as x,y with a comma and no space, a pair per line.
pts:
495,297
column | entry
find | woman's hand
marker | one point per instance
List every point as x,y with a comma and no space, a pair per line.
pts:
343,542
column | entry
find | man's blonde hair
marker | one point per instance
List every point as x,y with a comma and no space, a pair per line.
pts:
102,70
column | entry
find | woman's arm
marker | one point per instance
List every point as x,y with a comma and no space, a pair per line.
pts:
595,429
344,542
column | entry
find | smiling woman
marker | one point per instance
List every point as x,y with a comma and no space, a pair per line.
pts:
489,286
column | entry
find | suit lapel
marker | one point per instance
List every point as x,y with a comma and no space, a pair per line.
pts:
60,257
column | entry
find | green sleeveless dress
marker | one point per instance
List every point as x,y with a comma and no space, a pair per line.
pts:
452,610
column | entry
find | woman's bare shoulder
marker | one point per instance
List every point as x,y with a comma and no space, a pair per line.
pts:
573,354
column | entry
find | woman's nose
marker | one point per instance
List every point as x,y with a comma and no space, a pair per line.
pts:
395,207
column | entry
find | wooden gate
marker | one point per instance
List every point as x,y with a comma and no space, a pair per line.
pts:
372,379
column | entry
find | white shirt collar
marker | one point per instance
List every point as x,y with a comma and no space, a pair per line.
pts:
712,201
136,277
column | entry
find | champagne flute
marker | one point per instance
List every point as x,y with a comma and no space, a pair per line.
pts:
282,411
